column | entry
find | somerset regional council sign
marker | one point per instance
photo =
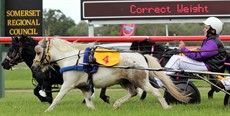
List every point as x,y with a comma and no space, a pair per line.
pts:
23,17
147,9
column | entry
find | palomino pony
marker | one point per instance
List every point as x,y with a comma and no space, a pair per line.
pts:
67,55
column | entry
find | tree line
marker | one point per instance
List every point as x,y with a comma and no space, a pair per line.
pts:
55,23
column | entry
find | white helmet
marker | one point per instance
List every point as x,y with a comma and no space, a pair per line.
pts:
215,23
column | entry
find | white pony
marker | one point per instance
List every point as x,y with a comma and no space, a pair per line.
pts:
67,54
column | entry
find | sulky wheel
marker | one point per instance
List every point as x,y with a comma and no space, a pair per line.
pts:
227,99
191,88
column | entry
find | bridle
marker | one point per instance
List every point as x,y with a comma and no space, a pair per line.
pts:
45,59
15,58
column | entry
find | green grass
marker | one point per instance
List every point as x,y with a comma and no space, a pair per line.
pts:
200,83
25,104
18,79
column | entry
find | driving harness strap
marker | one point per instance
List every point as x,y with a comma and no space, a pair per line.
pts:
89,68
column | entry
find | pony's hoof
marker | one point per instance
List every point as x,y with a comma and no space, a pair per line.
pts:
116,106
168,107
91,108
47,110
210,97
106,99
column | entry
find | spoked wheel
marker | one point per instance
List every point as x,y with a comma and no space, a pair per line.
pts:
186,88
227,99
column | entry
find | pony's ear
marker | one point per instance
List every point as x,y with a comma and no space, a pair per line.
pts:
43,41
47,39
13,37
16,38
23,37
15,41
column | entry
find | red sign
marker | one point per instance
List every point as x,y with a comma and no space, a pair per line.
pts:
134,9
127,29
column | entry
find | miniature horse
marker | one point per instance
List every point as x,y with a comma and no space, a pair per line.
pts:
69,55
22,49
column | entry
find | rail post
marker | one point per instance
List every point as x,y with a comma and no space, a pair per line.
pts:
2,29
90,29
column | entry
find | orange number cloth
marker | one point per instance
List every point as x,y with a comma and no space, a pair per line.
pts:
107,57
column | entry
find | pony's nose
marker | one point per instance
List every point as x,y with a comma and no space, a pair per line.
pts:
5,65
32,67
35,67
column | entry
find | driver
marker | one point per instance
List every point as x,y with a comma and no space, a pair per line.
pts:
211,55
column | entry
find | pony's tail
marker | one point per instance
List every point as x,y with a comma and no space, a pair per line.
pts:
168,83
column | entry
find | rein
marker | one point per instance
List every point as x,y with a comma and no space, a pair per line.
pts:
63,58
122,51
45,55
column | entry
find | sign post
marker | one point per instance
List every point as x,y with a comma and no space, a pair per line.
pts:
2,80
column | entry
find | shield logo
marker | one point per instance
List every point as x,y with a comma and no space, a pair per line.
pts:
127,29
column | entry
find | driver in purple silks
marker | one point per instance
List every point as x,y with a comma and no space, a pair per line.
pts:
211,55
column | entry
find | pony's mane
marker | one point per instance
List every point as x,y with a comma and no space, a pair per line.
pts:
64,45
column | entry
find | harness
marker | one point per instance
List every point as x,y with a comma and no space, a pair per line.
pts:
88,59
89,68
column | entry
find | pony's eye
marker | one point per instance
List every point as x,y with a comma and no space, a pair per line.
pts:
38,53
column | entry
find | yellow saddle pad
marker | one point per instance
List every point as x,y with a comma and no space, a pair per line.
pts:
107,57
